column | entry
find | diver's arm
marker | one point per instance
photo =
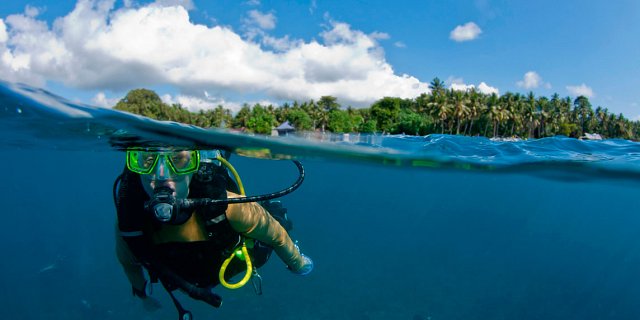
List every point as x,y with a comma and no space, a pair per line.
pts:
132,268
253,221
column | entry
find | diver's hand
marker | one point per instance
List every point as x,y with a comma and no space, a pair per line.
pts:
306,268
151,304
145,292
148,303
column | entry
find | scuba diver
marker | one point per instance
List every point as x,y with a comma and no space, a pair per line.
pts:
188,224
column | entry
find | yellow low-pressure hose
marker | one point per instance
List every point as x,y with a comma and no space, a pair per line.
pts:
235,173
242,253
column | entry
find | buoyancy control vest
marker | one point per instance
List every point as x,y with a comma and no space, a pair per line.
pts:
196,261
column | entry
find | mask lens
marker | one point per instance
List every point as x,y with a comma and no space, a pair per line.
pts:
147,160
141,162
185,162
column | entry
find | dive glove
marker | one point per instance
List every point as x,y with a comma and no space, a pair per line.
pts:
306,268
148,289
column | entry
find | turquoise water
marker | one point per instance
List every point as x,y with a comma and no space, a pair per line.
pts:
437,227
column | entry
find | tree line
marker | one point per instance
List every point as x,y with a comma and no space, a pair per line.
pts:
443,110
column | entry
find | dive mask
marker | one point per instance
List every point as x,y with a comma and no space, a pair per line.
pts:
180,162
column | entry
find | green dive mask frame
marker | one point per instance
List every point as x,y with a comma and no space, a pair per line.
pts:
145,162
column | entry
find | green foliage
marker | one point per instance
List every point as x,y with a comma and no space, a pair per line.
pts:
339,121
441,111
260,120
369,126
385,112
147,103
328,103
241,120
412,123
299,119
569,129
138,99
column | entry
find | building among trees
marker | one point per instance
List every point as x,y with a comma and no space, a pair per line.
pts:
283,129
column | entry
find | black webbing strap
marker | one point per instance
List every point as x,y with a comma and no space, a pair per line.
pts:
183,314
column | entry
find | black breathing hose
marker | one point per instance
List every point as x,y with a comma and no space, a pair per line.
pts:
199,202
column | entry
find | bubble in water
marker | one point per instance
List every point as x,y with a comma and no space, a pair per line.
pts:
18,110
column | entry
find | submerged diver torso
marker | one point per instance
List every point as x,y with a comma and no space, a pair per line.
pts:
194,247
197,254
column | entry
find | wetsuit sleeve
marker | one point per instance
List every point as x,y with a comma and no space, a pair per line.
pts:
132,268
253,221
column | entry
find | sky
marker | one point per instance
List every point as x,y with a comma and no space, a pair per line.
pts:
202,53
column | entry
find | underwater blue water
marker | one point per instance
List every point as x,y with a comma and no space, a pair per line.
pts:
436,227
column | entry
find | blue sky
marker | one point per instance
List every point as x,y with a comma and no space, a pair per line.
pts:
202,53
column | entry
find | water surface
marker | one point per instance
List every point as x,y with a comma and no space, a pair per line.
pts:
400,227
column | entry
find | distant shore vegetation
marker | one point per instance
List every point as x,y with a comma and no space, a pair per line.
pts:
444,111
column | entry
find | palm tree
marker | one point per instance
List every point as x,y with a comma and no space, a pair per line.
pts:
603,117
582,108
476,108
622,127
502,115
242,117
439,110
511,103
492,117
422,103
544,116
491,112
565,110
314,111
529,108
460,109
437,87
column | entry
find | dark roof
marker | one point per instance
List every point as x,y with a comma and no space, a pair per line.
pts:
285,126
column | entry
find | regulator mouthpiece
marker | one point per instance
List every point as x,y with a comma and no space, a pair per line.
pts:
163,212
166,208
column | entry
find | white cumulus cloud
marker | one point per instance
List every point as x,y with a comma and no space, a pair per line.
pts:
3,32
193,103
101,100
379,35
466,32
280,44
207,101
187,4
458,84
487,89
31,11
101,48
532,80
453,80
461,87
581,90
265,21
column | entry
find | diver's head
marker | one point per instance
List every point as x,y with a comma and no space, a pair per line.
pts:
168,170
